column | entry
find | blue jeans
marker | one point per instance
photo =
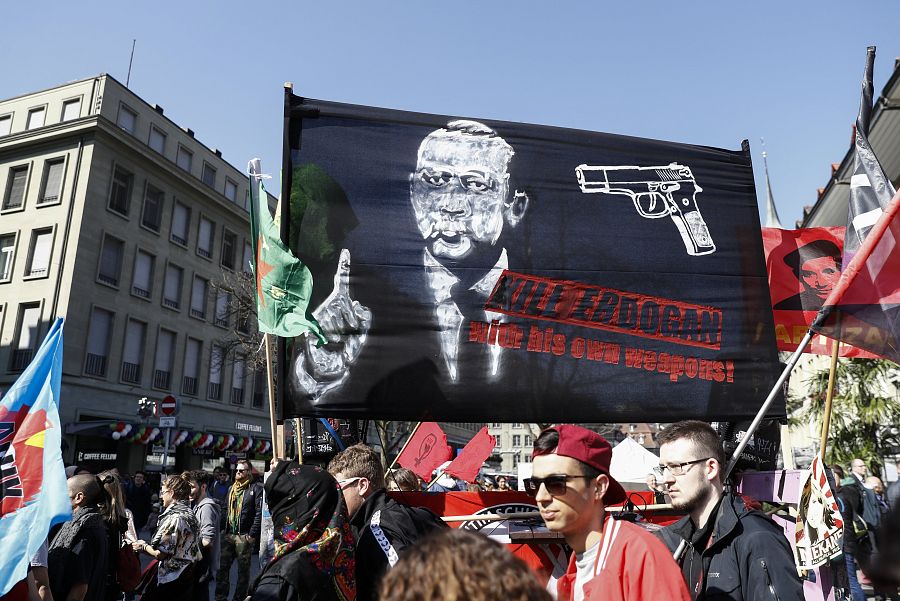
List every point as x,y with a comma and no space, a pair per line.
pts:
856,592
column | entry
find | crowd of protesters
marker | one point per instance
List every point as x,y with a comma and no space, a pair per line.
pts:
339,536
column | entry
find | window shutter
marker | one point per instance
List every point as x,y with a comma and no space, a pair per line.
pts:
98,337
135,334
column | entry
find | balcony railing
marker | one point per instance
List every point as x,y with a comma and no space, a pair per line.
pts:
108,279
20,359
131,372
204,252
198,313
237,396
214,391
178,239
189,386
138,291
161,379
171,304
95,365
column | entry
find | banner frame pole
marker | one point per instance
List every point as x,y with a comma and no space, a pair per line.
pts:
829,399
384,450
768,402
270,384
405,444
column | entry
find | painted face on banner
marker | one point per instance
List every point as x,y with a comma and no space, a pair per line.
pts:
819,275
459,189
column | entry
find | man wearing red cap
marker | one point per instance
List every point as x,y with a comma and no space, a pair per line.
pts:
613,560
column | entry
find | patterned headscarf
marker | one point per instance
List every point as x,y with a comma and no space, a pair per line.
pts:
311,527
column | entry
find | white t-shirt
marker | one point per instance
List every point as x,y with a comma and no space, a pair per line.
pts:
584,569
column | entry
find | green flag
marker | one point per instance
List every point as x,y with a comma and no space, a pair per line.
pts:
283,283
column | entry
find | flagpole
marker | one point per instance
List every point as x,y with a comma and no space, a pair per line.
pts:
271,386
768,402
829,397
298,431
384,449
405,444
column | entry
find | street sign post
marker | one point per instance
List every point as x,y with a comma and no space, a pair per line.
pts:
168,409
168,422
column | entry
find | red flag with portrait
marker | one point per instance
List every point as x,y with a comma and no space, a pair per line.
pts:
803,266
426,450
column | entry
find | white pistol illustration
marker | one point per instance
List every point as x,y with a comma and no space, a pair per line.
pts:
656,192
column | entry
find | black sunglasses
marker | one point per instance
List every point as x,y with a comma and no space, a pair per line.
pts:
555,484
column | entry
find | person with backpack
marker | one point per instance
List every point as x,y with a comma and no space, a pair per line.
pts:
383,527
856,536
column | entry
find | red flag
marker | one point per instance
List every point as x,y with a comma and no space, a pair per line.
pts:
469,461
803,266
426,450
864,307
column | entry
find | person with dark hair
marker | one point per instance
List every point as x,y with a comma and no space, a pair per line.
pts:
402,479
383,527
206,510
243,524
729,549
175,545
572,486
452,565
817,266
138,497
119,526
78,559
856,544
314,556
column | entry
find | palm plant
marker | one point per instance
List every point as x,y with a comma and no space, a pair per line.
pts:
865,410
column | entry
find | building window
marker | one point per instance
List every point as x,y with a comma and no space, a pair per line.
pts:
39,253
15,188
214,390
7,256
26,336
111,260
133,355
247,264
36,117
223,300
243,322
230,190
259,389
181,221
192,354
184,158
237,381
209,175
51,188
142,279
5,125
517,425
496,425
157,139
71,109
206,237
527,440
162,366
517,440
97,355
198,297
120,191
151,218
172,290
229,248
127,119
516,459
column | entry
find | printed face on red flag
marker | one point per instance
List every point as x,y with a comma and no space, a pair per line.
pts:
803,265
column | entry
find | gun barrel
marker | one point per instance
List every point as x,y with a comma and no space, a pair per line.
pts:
593,176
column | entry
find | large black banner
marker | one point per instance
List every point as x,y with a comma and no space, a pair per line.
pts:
480,270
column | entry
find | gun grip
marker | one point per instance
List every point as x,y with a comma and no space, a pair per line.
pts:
694,232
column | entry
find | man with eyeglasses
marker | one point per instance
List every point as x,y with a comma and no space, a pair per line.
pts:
613,559
243,524
728,550
383,526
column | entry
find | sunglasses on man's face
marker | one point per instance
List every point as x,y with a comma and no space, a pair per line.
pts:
555,484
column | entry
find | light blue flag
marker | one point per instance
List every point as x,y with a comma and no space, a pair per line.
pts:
33,493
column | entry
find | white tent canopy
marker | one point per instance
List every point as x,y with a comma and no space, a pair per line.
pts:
631,462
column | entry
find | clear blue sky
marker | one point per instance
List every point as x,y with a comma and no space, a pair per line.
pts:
703,72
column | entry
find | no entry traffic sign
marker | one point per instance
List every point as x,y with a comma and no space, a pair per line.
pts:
168,406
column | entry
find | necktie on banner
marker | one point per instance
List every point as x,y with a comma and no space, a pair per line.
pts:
33,493
283,282
426,450
803,267
870,190
469,461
